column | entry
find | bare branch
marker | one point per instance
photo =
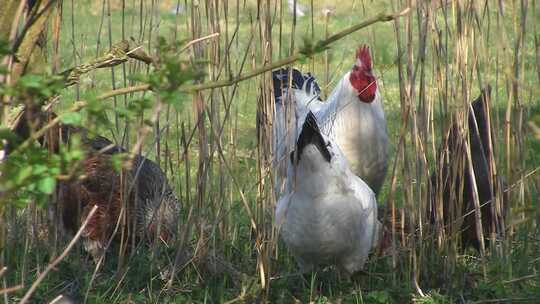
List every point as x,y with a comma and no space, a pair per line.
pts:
119,53
192,42
265,68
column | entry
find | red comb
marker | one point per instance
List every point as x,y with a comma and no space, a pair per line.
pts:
362,54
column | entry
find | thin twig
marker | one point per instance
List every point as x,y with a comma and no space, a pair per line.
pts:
296,56
263,69
198,87
523,278
266,68
126,90
57,299
76,107
124,46
192,42
11,289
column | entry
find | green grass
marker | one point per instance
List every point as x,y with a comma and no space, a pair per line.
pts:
441,281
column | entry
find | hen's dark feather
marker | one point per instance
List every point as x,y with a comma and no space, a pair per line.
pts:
299,81
311,135
452,175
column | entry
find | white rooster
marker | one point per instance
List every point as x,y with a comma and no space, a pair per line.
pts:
329,215
352,116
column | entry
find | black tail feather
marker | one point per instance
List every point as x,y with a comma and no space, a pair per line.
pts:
311,135
299,81
480,108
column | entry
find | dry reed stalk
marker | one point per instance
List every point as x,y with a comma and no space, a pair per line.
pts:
11,289
55,262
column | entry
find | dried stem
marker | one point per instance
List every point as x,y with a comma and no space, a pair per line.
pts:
53,264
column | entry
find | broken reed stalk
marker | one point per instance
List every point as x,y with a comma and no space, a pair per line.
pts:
465,30
397,157
17,62
407,74
11,289
28,38
198,104
518,138
446,84
10,18
265,242
4,291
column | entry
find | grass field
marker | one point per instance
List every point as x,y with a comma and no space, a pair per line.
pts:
222,179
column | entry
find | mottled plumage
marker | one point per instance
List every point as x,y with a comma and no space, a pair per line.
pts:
151,207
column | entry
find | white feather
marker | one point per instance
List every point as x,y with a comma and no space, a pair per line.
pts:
358,128
328,215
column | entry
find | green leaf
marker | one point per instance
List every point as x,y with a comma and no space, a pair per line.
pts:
138,77
379,296
31,81
72,118
4,47
8,135
123,112
23,174
46,185
39,169
117,160
21,201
